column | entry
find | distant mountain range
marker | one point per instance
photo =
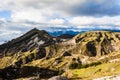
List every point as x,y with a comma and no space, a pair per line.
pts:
72,32
58,33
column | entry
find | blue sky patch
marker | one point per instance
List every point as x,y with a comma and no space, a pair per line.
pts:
5,14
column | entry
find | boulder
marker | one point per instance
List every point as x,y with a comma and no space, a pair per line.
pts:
58,78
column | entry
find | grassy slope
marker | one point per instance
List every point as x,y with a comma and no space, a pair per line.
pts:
104,69
10,60
107,68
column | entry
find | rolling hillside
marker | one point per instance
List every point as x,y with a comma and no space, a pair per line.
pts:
38,54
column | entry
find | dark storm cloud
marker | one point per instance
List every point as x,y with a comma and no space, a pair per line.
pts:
96,8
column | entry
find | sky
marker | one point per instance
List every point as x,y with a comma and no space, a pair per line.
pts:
19,16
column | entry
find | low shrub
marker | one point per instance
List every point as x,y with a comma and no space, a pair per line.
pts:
75,65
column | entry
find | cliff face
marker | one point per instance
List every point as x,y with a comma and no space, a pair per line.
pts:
40,51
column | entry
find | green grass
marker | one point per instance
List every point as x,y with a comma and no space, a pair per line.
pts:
103,69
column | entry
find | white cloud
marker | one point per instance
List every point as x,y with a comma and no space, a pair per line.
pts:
29,15
7,35
46,11
43,14
57,21
106,20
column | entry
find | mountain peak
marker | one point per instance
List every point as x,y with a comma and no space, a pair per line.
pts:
34,29
30,40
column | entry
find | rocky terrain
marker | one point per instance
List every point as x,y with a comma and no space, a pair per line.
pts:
39,55
114,77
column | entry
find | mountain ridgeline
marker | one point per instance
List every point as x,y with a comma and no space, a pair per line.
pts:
28,41
39,51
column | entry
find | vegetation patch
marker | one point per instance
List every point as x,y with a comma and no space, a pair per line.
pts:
75,65
104,69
